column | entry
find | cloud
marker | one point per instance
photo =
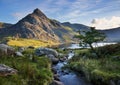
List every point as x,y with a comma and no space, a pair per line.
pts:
104,23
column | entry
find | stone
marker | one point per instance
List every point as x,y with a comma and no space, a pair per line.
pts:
54,60
56,77
19,54
21,49
6,50
112,82
46,51
118,82
6,70
54,70
55,82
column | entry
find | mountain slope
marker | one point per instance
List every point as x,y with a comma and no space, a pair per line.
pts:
112,34
37,26
76,27
4,25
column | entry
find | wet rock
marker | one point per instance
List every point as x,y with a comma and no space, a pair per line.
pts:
54,70
118,82
56,77
54,60
6,50
55,82
63,59
46,51
112,82
6,70
19,54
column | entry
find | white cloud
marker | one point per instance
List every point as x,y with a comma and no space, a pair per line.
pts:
104,23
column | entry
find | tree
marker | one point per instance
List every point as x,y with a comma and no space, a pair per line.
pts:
90,37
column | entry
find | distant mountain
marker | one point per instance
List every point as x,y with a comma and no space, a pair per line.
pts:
76,27
4,25
112,34
38,26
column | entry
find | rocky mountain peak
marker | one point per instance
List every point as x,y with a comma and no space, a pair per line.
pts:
38,12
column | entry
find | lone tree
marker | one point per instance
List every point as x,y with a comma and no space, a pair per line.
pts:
90,37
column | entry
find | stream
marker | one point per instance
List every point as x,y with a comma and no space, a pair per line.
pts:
67,77
70,78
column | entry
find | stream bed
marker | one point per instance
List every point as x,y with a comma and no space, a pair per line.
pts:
67,77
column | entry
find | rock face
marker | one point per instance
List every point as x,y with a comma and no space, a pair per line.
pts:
6,70
38,26
6,50
46,51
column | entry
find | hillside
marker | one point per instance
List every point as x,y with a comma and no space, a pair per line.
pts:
112,34
38,26
4,25
76,27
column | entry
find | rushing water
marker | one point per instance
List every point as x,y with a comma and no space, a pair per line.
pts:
70,78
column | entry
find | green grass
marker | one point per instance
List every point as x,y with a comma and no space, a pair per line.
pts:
35,71
97,70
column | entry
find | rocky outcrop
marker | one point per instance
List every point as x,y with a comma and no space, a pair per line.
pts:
6,70
6,50
46,51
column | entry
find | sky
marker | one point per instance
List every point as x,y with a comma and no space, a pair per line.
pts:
103,14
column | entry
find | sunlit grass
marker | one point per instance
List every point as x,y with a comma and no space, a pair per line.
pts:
30,42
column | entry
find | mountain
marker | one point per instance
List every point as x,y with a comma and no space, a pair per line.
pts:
76,27
112,35
4,25
38,26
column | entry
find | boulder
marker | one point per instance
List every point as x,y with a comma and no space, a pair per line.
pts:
6,70
55,82
118,82
54,60
21,49
6,50
54,70
46,51
56,77
19,54
112,82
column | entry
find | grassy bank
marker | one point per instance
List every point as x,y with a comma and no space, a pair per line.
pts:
32,70
99,71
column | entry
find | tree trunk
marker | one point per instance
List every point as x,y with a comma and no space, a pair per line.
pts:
92,48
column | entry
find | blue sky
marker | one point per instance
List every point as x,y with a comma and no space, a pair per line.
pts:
75,11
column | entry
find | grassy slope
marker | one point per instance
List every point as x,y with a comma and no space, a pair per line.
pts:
99,71
35,71
30,42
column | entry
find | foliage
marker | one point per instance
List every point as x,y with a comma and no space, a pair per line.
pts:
89,37
98,71
30,72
